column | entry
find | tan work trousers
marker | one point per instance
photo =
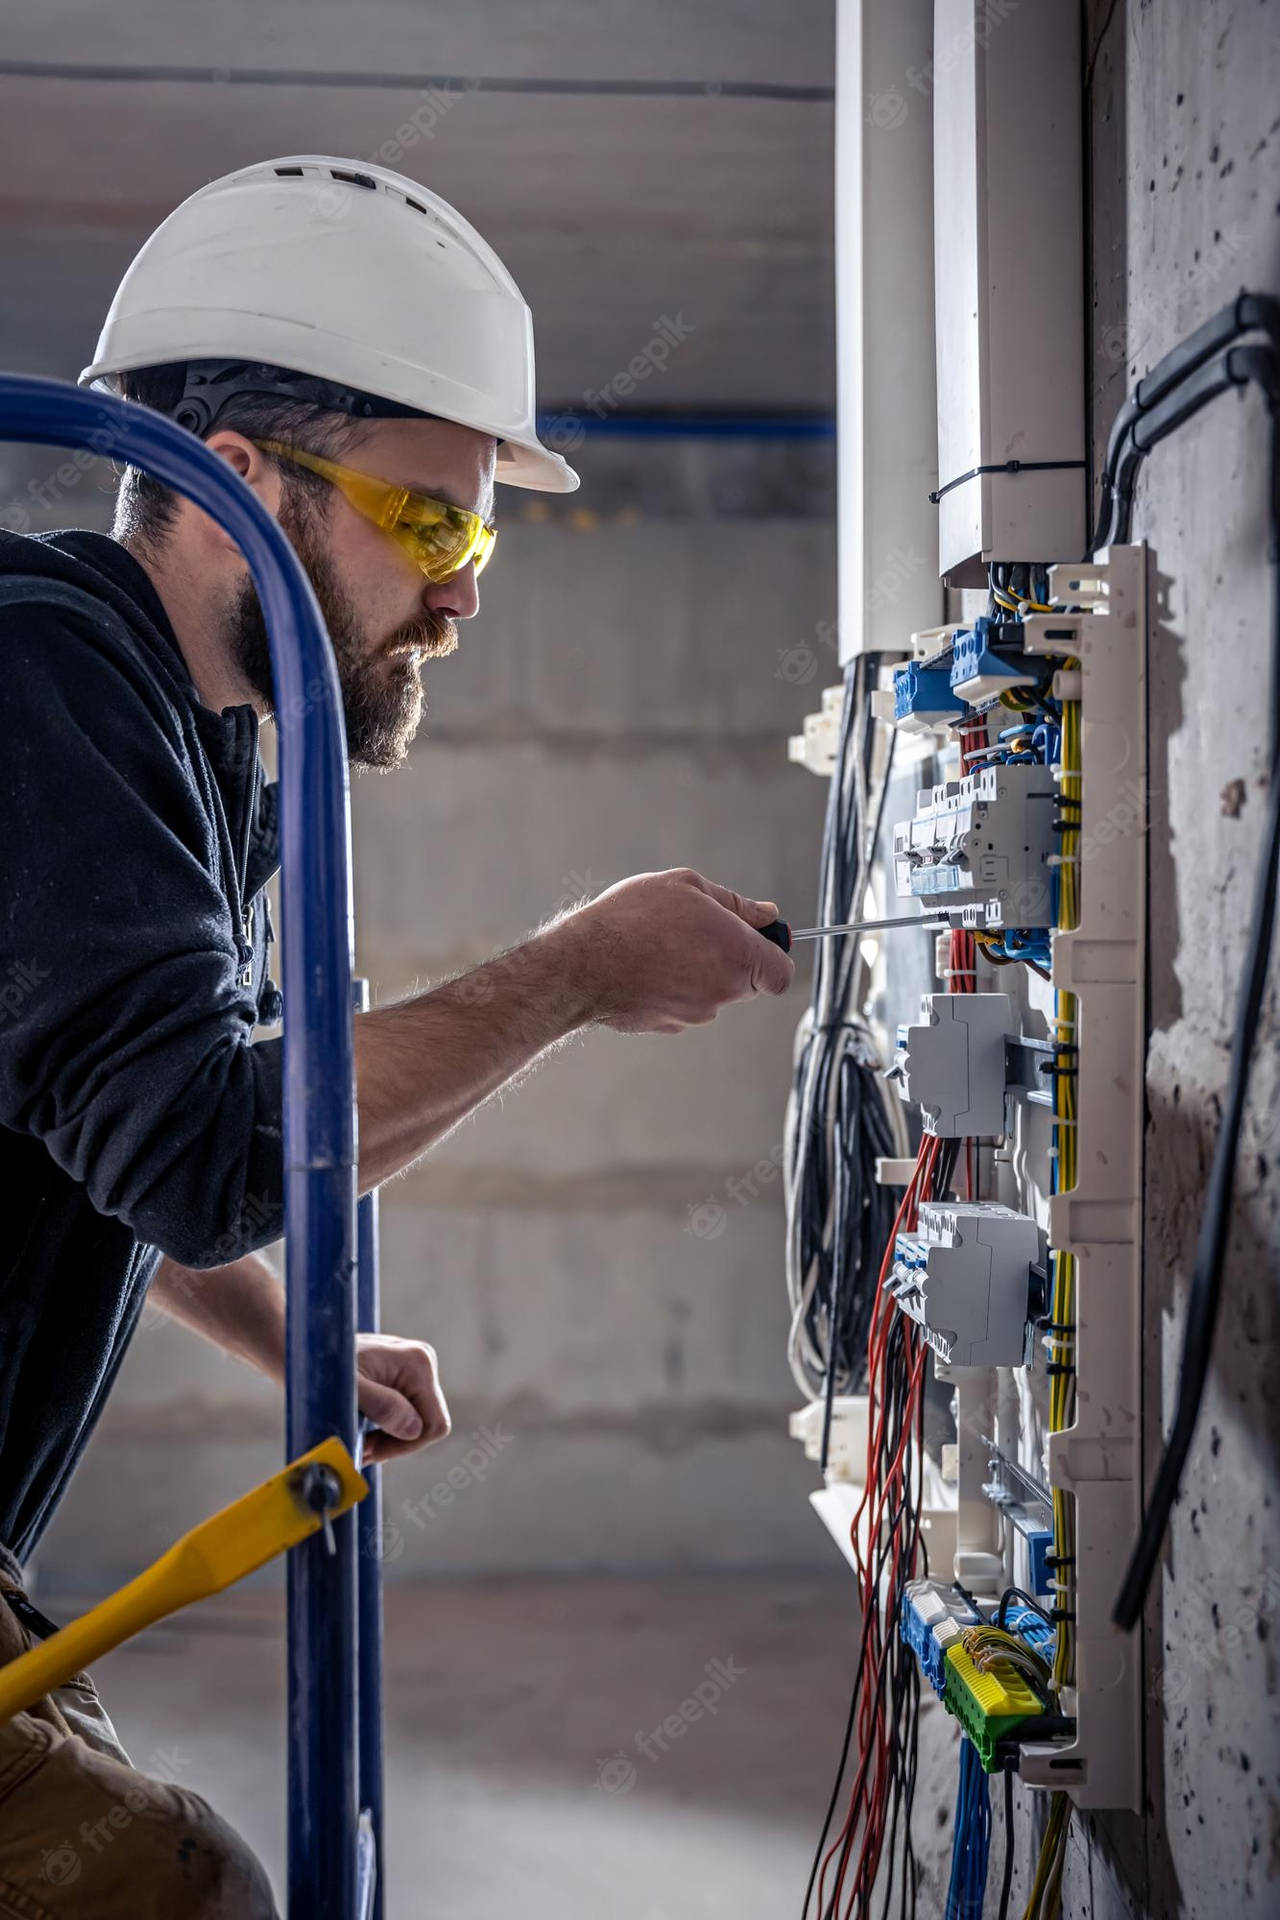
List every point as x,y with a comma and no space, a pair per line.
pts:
84,1833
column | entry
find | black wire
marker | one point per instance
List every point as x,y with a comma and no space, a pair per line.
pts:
1019,1593
1205,1292
1006,1880
843,1216
1248,312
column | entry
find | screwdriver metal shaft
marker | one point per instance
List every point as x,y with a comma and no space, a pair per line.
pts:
868,926
782,935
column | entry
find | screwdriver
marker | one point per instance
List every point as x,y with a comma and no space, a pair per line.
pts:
782,935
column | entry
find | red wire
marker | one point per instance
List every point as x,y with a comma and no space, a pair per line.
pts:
868,1799
868,1804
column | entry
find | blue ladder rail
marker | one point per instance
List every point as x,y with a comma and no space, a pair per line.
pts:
319,1125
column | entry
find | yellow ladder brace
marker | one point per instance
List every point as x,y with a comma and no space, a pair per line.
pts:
214,1555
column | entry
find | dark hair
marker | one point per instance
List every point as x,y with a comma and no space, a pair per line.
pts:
146,507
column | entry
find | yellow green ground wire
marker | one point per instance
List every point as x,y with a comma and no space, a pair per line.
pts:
1045,1899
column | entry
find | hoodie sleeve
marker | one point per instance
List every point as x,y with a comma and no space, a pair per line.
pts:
125,1038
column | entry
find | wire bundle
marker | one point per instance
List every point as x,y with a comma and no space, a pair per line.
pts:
888,1551
840,1119
971,1843
1045,1899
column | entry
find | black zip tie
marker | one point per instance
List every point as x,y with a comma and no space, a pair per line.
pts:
1058,1366
1059,1559
1062,1613
1005,466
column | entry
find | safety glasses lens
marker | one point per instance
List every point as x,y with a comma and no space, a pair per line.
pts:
444,547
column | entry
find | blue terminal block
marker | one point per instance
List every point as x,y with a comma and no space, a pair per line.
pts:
930,1618
978,672
923,694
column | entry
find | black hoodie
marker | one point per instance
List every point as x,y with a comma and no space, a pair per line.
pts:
137,1116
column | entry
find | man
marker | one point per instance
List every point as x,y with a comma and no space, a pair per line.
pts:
361,358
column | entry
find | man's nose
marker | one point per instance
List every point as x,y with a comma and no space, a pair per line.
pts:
458,597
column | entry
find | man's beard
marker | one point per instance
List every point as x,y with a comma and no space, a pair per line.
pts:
382,696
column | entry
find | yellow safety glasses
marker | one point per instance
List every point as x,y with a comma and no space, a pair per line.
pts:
439,538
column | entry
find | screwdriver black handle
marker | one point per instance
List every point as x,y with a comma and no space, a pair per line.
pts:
780,933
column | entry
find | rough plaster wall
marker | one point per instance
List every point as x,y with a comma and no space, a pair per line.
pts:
1184,149
1184,193
595,1258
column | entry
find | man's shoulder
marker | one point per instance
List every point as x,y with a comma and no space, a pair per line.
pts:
81,619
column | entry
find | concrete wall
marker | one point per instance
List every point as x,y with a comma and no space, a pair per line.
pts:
1185,195
1198,92
594,1257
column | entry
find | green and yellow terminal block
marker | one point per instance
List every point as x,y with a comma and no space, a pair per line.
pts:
988,1702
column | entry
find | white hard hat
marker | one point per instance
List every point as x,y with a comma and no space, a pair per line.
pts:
351,275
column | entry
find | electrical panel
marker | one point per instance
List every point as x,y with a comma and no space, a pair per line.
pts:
1016,1258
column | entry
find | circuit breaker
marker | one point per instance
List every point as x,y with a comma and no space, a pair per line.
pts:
965,1277
985,839
953,1063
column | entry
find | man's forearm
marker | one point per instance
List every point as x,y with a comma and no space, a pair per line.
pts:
239,1307
425,1064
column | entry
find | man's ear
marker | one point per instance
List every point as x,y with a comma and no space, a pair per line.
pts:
254,467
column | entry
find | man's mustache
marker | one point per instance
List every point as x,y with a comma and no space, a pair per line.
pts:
433,634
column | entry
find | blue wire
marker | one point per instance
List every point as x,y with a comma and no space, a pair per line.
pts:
971,1842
